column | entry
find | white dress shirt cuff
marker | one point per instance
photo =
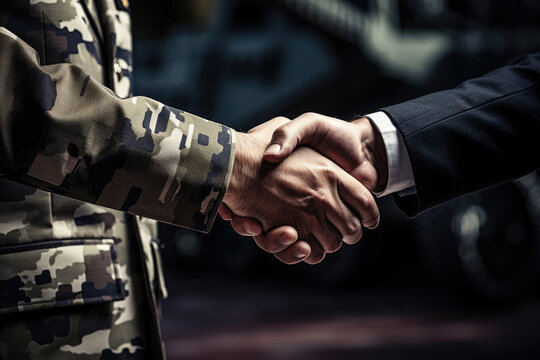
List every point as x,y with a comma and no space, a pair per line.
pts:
400,174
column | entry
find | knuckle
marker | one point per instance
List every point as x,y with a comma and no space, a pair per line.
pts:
353,227
282,118
332,240
369,209
366,200
373,220
329,172
354,238
281,132
322,197
328,177
308,114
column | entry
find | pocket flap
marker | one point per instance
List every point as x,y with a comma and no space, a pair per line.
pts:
58,273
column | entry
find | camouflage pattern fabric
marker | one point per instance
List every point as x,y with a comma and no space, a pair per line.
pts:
79,277
57,273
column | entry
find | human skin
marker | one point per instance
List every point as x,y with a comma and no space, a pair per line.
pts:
303,196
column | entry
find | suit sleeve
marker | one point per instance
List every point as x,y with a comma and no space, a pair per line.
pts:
63,132
481,133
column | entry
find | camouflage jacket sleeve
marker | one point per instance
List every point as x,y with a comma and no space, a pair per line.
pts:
63,132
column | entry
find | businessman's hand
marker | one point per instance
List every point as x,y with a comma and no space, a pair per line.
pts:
307,191
355,146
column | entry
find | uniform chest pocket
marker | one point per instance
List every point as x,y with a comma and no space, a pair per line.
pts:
58,273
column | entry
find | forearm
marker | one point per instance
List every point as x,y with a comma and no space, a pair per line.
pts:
479,134
63,132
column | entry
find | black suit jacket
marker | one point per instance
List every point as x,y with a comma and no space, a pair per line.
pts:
483,132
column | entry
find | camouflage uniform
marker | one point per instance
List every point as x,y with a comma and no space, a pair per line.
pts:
79,277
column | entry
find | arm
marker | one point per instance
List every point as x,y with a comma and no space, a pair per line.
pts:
63,132
483,132
456,141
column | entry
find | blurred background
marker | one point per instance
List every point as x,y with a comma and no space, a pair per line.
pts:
461,280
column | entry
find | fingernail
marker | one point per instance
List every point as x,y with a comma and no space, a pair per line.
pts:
285,239
299,253
273,149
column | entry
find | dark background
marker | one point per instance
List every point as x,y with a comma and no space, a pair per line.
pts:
461,280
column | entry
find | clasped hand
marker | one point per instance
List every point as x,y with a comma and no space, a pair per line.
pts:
301,202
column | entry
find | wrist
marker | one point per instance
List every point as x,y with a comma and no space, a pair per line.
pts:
374,150
247,161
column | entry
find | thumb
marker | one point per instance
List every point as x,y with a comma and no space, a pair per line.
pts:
302,130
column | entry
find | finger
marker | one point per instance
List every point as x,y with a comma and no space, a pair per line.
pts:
327,235
304,129
317,252
246,226
346,222
359,199
277,239
270,124
225,212
295,253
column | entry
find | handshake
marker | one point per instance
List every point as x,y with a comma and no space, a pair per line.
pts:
303,187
